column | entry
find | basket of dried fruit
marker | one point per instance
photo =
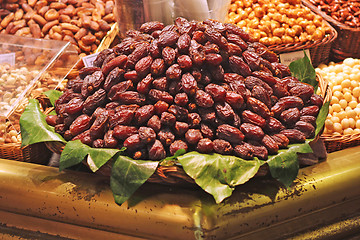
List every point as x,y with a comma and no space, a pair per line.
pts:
175,103
342,126
284,26
345,18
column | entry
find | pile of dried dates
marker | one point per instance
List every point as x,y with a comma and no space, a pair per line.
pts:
203,86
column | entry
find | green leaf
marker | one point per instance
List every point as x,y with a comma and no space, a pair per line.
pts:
320,120
53,95
75,152
218,174
34,128
284,166
304,71
127,175
170,161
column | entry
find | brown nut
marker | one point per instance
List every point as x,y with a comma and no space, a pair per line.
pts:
88,39
39,19
104,26
43,10
64,18
49,25
26,7
51,15
57,5
94,26
84,47
81,33
18,14
35,30
70,27
7,20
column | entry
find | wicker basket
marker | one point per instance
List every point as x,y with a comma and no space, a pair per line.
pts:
35,153
347,43
319,49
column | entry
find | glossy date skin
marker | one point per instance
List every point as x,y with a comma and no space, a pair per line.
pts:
199,86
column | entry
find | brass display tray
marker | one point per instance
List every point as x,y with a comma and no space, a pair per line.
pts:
39,202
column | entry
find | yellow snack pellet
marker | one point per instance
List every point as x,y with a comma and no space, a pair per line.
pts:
345,123
356,92
351,114
357,124
352,104
357,110
329,124
337,127
347,109
352,123
336,107
348,131
341,115
354,83
338,94
343,103
331,110
334,100
337,88
346,83
335,119
356,131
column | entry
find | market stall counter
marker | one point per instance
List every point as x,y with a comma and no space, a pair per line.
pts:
39,202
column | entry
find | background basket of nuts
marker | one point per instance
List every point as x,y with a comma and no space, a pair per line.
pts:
284,26
344,16
82,23
342,126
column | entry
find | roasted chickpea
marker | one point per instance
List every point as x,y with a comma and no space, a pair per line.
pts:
310,29
318,34
277,40
265,41
259,12
297,29
287,39
290,32
278,32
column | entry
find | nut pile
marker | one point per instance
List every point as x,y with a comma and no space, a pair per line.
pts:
13,83
344,109
277,22
344,11
83,23
200,86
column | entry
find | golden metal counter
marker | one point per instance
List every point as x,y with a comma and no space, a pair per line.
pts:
39,202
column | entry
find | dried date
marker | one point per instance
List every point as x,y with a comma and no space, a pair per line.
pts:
294,135
252,132
229,133
177,145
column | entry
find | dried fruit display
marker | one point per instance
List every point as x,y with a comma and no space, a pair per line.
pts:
203,86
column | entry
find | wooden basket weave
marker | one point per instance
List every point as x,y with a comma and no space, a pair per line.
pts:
319,49
35,153
347,44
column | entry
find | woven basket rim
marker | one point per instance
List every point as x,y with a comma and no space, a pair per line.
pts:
329,18
291,47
